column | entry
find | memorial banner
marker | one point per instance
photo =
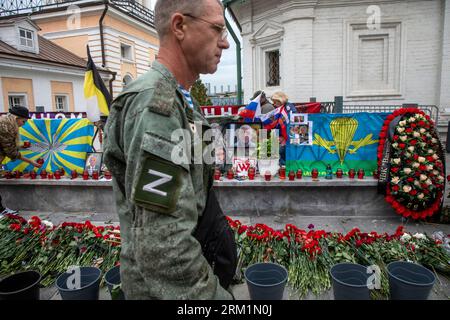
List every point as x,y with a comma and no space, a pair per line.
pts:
342,140
59,142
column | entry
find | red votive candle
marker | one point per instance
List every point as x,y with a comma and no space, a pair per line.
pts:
351,173
33,175
267,176
282,173
339,173
291,175
230,174
57,175
217,174
95,175
85,175
315,173
17,174
299,174
251,173
50,176
74,174
361,174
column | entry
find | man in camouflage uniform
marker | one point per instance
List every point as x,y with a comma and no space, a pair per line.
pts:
10,142
159,199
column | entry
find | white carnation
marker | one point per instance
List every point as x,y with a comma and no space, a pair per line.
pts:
407,170
420,236
405,237
421,159
416,134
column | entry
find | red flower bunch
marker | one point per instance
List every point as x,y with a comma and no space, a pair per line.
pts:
417,179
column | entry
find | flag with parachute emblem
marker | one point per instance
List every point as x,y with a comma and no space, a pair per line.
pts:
95,92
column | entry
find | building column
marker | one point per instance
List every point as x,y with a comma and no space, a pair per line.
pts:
444,99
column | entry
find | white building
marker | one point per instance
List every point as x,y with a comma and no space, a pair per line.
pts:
368,51
37,73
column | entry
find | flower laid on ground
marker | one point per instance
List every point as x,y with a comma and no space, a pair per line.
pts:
309,255
39,245
416,184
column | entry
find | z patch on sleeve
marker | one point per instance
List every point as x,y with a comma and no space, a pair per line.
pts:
158,185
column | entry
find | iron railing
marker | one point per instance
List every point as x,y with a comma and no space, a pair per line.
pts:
130,7
431,110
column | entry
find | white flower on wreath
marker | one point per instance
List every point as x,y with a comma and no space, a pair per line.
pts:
396,160
407,189
402,123
411,148
415,165
418,116
435,156
412,119
430,167
405,237
407,170
435,172
421,159
395,180
420,236
417,183
403,138
430,151
400,130
434,140
428,182
422,130
416,134
395,145
420,196
440,178
47,224
423,177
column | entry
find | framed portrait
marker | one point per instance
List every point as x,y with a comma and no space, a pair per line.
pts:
300,134
300,118
93,162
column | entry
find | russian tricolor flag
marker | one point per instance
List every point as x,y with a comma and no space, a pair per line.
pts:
253,109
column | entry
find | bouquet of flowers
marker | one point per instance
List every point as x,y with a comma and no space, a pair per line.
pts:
417,179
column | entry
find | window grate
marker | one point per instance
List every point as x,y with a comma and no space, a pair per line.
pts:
273,66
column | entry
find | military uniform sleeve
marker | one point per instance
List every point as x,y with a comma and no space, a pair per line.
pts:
8,141
159,185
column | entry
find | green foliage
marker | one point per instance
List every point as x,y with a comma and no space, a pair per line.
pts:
199,93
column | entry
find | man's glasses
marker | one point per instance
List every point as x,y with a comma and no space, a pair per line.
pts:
222,29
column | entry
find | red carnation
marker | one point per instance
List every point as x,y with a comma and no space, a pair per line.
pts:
401,145
395,169
430,159
413,192
413,125
421,123
409,130
416,156
410,179
422,167
395,137
413,143
395,188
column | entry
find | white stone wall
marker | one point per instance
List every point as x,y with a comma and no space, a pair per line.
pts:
321,45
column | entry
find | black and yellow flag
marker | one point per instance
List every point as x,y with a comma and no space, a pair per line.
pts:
95,92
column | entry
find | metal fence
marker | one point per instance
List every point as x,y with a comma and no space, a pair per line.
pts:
430,110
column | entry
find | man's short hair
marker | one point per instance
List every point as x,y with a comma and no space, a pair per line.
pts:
164,9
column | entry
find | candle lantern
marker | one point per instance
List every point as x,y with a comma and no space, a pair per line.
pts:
251,173
282,173
315,173
74,174
85,175
339,173
299,174
230,174
291,175
361,174
33,175
43,174
57,174
108,175
351,174
329,172
95,175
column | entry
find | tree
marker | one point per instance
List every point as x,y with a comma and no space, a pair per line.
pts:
198,92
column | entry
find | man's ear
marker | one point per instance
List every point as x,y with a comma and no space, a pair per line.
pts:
177,25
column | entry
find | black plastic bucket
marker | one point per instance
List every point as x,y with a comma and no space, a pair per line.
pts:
266,281
21,286
350,281
409,281
89,284
112,278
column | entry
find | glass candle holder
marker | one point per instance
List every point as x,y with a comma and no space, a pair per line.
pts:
251,173
85,175
50,176
74,174
267,176
95,175
291,175
339,173
315,173
33,175
108,175
57,175
351,173
361,174
282,173
230,174
43,174
299,174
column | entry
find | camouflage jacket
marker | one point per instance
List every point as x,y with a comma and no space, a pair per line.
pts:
9,137
158,199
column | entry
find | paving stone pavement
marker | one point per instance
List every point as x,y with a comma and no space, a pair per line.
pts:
341,224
